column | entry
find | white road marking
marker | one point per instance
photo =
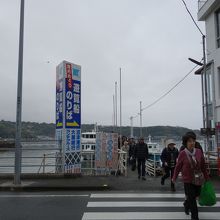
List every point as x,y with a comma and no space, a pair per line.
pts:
139,204
146,215
141,195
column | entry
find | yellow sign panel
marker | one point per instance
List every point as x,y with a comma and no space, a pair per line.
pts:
72,124
59,124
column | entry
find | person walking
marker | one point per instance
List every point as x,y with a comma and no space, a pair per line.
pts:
141,154
183,147
131,153
197,144
125,148
191,163
169,157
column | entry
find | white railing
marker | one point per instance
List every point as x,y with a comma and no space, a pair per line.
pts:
47,158
87,163
122,162
153,166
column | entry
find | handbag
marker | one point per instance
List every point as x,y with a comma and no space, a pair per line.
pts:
198,176
198,179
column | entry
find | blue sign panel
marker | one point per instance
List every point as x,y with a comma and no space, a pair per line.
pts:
72,99
68,114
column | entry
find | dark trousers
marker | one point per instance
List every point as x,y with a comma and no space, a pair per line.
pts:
169,172
192,191
141,167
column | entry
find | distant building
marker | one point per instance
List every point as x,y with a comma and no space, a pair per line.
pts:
209,11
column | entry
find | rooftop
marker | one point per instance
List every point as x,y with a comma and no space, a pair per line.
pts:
201,3
205,8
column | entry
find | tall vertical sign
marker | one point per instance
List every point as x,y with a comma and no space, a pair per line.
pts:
68,115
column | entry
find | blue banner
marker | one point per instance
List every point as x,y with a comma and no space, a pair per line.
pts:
73,104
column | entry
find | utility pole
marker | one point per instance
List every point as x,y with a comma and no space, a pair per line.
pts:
17,174
132,129
206,93
120,112
113,113
141,119
116,105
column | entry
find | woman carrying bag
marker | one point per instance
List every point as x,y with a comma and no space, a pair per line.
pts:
191,163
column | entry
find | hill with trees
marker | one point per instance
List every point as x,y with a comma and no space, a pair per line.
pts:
34,130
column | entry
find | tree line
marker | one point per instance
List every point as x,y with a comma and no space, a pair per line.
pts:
34,130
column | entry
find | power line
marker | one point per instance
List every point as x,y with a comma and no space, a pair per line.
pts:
170,90
192,18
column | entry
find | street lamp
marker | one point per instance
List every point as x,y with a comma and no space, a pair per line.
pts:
17,174
195,61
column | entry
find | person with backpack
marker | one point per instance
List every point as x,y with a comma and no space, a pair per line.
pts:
141,154
191,163
169,157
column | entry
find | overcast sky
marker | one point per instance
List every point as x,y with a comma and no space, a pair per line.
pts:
150,40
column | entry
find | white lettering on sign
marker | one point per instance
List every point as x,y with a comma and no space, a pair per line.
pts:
69,115
69,95
76,98
76,88
69,105
76,109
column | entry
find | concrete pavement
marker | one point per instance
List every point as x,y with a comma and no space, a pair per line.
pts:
118,183
78,205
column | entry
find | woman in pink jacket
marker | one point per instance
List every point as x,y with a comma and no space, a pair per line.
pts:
191,164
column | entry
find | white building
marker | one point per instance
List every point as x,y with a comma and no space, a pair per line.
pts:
209,11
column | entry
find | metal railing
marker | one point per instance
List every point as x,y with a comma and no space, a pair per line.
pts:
201,3
153,166
46,163
122,162
47,158
36,158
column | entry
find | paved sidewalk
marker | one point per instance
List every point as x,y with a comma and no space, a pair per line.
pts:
118,183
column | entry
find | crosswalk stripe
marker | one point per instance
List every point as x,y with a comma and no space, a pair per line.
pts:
138,204
99,208
146,216
141,195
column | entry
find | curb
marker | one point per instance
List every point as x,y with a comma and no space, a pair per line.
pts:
54,188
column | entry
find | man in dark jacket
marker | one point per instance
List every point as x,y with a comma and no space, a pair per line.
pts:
169,157
141,154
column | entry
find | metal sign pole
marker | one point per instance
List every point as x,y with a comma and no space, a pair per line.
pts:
120,111
17,174
206,94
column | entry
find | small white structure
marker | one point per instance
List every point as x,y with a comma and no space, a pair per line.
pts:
153,147
88,141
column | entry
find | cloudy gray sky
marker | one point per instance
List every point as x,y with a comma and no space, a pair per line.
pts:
149,39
